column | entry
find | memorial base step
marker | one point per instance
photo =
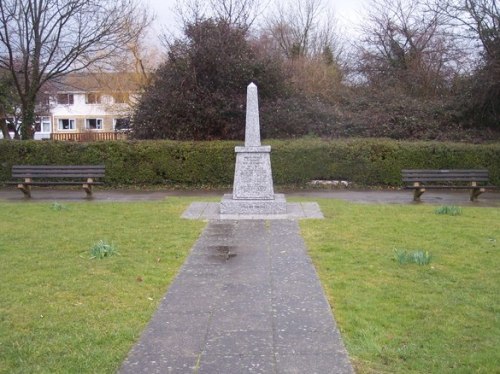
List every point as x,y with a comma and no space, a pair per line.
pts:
229,205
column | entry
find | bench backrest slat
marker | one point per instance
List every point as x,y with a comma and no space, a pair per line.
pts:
452,175
54,171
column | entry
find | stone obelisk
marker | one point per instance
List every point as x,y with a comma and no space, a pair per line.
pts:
253,191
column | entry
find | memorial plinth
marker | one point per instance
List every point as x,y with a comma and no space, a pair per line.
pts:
253,191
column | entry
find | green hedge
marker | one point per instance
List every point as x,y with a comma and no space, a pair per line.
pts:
363,161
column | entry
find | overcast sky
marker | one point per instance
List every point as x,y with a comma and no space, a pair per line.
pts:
348,12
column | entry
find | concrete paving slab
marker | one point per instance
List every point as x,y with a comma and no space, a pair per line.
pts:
312,210
260,364
245,313
154,363
310,364
305,342
224,320
197,211
293,211
240,343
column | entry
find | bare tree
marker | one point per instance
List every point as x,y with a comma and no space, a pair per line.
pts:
137,60
406,42
240,13
302,28
42,40
478,21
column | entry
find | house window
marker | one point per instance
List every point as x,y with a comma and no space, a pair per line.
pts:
66,124
121,98
42,125
65,99
93,98
122,123
46,124
93,124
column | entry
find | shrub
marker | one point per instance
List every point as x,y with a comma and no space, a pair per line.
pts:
362,161
199,92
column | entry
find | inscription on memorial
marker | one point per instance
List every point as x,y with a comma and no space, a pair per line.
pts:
252,176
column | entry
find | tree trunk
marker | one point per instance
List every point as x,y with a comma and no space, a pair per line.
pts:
28,121
5,128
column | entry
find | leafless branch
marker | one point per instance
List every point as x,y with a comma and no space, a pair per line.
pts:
41,40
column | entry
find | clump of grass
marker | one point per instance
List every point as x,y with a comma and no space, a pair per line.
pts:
414,257
55,206
102,249
450,210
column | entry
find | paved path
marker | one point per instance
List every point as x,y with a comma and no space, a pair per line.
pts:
247,300
488,199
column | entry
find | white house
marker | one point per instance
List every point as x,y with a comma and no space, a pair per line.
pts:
87,106
91,105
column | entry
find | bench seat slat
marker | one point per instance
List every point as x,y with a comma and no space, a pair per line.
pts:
444,171
52,175
443,180
431,187
450,175
23,168
62,167
444,176
56,171
55,183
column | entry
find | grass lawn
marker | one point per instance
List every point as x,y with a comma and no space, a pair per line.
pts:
62,312
436,318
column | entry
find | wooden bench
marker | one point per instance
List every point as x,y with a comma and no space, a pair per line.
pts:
422,180
43,175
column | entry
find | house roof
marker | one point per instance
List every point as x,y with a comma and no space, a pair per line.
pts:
95,82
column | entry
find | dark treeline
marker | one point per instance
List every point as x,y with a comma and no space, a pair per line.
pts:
417,71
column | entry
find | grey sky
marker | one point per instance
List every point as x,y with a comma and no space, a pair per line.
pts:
348,12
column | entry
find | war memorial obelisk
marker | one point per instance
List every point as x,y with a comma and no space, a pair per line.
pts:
253,192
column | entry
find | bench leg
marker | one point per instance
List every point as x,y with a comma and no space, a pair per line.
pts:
475,192
417,193
25,189
88,187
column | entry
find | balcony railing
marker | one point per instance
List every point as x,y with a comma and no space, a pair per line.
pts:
88,136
